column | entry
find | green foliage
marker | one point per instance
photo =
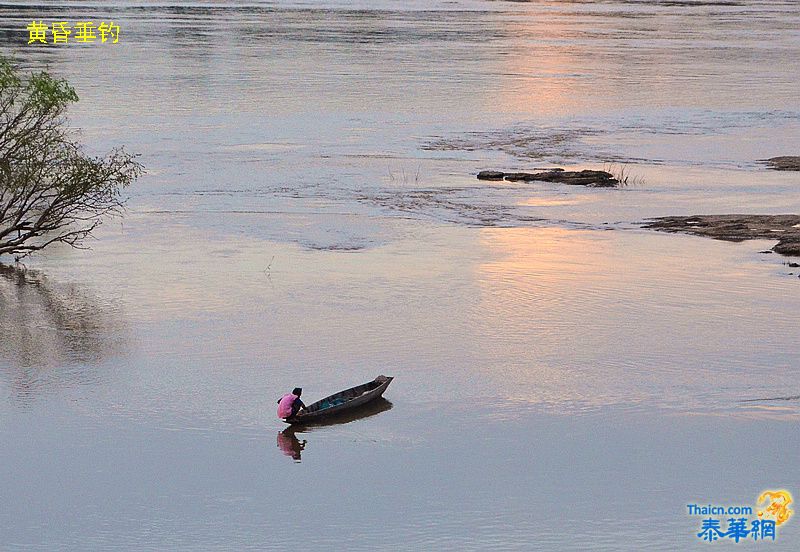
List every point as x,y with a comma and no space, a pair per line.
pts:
8,76
50,190
47,93
41,91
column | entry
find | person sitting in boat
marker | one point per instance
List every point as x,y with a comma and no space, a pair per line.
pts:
290,404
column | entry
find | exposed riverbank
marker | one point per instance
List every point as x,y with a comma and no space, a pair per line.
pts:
784,163
784,228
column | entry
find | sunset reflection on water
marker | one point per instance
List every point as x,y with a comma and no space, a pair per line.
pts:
311,217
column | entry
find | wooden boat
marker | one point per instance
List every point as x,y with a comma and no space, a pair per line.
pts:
342,401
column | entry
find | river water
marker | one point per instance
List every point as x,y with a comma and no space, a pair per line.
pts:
310,217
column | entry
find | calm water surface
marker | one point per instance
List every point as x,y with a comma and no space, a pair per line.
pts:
310,216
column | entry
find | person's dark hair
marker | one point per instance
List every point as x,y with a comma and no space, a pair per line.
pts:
297,391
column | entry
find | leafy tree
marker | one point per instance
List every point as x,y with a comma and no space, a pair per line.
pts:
50,190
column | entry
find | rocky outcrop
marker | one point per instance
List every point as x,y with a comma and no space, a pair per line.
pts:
784,228
784,163
594,179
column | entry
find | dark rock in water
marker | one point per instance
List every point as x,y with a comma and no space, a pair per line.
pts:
794,265
491,175
784,228
596,179
789,248
784,163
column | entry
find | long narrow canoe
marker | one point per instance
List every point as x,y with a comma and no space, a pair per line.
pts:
342,401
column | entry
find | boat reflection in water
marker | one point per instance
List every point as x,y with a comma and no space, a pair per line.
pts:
291,446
